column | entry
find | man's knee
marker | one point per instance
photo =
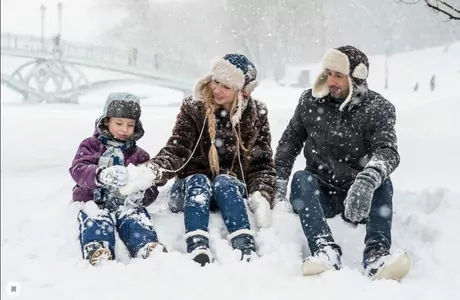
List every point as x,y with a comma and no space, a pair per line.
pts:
303,186
303,178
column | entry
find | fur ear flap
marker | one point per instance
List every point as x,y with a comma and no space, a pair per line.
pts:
197,94
320,88
360,72
250,86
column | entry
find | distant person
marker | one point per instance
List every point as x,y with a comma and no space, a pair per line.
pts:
220,155
57,46
99,171
349,142
433,82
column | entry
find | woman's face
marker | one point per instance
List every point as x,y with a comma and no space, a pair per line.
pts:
223,95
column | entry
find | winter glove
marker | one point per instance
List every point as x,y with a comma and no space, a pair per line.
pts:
260,206
141,177
135,198
115,176
359,197
280,189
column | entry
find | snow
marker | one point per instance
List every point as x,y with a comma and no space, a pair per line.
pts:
40,247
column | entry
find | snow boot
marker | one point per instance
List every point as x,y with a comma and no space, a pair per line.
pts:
248,255
96,253
380,264
326,258
243,240
198,247
202,255
147,250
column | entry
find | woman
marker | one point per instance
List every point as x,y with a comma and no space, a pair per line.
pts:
220,153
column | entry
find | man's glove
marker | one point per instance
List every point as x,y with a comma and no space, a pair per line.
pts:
359,196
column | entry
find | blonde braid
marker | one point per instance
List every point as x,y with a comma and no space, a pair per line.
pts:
213,157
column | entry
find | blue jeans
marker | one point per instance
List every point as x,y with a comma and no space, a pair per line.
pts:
132,224
197,194
315,203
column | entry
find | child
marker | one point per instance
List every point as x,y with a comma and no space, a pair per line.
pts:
99,170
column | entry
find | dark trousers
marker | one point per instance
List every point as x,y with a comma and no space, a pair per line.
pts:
315,203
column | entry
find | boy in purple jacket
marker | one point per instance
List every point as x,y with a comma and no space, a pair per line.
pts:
99,170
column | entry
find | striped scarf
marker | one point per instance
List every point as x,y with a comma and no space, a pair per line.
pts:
110,197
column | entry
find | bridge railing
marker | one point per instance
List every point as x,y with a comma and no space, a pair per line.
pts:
128,56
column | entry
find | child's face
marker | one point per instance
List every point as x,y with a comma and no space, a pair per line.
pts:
121,128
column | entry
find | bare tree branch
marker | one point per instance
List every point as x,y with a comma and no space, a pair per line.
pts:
439,6
445,8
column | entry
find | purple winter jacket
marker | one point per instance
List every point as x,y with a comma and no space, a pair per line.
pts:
85,164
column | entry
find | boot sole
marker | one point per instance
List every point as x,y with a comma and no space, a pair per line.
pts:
395,270
313,268
100,255
152,247
202,259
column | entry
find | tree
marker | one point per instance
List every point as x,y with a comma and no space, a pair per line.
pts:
447,8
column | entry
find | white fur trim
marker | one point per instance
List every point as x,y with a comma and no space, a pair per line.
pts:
197,93
199,251
337,61
320,88
360,71
249,88
350,93
196,232
239,232
239,111
228,74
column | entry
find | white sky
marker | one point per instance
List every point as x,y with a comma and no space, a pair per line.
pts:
82,20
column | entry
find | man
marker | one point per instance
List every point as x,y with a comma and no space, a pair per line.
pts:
349,140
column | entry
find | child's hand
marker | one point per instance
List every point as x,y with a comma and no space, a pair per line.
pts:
116,176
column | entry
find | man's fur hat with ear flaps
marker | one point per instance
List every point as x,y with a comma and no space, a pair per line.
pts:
347,60
235,71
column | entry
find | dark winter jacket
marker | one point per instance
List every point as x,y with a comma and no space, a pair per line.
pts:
339,144
257,165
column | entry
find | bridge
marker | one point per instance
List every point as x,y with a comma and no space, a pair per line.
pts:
53,73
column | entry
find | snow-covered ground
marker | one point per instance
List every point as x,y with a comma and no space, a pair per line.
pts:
40,248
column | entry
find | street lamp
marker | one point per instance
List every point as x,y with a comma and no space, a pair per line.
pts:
59,6
42,24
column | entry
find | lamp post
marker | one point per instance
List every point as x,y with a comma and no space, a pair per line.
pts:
42,24
59,7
